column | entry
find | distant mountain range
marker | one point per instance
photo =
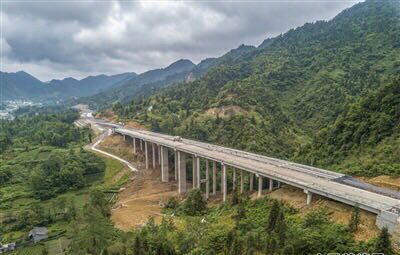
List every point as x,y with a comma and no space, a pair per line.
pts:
147,83
102,90
21,85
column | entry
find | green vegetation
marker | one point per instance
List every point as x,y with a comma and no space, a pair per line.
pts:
47,179
325,94
368,132
262,226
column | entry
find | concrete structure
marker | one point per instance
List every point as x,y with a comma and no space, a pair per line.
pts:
38,233
164,164
313,181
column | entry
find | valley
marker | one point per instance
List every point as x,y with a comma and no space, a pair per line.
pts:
167,138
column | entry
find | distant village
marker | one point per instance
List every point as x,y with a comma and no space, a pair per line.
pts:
8,106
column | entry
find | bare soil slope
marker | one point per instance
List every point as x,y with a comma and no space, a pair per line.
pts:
144,195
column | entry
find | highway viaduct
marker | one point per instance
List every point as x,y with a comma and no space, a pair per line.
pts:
252,169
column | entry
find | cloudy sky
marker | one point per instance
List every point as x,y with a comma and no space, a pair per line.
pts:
81,38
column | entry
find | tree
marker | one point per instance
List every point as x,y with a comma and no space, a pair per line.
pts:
235,197
273,216
354,220
281,228
99,201
240,213
288,250
194,203
272,245
137,246
383,243
236,246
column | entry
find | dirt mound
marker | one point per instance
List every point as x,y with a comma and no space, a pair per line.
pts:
134,124
384,181
226,111
144,196
108,115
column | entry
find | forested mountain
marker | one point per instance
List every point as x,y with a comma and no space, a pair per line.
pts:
150,82
365,138
21,85
142,84
89,85
293,90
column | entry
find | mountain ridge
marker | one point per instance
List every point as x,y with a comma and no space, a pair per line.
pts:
274,99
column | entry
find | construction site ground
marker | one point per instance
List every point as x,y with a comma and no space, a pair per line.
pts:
144,196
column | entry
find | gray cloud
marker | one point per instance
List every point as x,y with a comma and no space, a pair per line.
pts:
59,39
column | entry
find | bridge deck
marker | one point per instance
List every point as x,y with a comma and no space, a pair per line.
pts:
313,179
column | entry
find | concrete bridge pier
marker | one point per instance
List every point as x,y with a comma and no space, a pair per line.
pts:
159,154
181,172
207,179
241,181
251,182
271,185
260,186
153,150
164,164
146,154
141,144
224,184
309,196
176,164
198,170
234,179
214,169
134,144
194,171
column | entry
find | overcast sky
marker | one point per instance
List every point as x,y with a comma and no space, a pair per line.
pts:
71,38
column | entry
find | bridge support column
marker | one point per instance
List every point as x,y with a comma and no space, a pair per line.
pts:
176,164
260,186
164,164
134,144
234,179
181,172
309,196
251,181
214,191
194,171
153,149
241,182
278,185
141,144
198,168
146,154
271,185
207,180
224,184
222,179
159,154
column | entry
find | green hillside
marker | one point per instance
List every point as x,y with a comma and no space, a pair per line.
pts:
365,138
275,99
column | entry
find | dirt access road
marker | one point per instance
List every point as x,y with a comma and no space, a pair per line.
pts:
144,195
